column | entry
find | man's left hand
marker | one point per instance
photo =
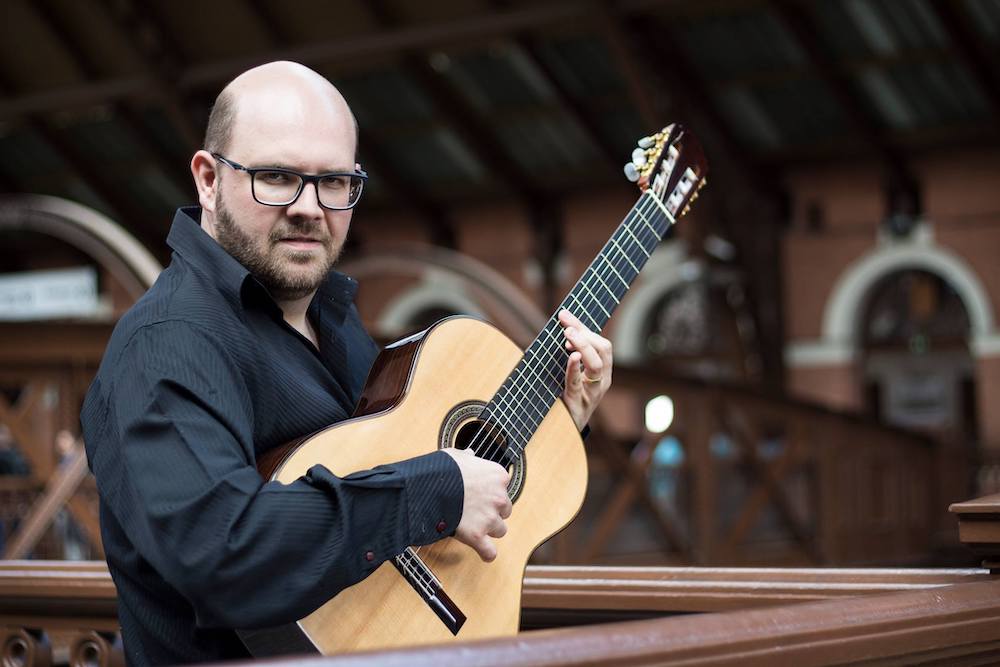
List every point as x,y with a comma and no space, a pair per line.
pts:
588,372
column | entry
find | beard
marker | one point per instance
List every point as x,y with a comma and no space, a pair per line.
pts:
287,274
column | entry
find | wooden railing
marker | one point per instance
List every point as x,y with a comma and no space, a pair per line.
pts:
65,612
761,480
957,624
755,480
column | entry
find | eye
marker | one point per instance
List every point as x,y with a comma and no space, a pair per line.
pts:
335,182
274,177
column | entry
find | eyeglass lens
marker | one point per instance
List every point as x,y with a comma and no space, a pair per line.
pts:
280,188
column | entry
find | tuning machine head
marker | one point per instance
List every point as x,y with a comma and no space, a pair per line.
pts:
645,158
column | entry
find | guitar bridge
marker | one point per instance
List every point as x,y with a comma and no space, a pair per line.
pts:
430,590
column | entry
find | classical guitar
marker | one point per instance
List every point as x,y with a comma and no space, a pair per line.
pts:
463,383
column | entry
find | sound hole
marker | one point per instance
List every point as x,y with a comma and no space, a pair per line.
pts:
463,429
487,441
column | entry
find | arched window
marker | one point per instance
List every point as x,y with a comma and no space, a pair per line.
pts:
918,370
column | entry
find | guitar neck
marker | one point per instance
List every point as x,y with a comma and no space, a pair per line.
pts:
538,380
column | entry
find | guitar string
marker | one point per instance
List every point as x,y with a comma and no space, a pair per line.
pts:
506,405
545,355
510,405
405,561
549,347
551,334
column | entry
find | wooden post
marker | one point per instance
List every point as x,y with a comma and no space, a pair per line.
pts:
979,528
58,491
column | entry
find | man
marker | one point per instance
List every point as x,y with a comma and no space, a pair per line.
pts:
246,341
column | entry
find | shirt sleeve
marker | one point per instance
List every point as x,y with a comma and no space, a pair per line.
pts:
245,553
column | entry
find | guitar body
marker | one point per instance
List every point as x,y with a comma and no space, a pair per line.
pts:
426,392
416,388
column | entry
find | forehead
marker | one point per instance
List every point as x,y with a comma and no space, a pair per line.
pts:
309,129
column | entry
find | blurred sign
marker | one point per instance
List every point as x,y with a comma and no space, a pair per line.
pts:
45,295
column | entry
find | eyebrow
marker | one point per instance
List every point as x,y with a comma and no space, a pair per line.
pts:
279,165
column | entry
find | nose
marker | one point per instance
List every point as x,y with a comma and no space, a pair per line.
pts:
307,206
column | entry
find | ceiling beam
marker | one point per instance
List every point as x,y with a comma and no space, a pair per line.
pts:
529,46
627,59
468,123
969,49
848,66
161,62
394,40
797,22
580,115
124,114
120,208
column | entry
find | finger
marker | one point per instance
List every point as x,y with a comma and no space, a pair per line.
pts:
603,347
568,319
589,355
498,530
574,373
506,509
487,550
502,473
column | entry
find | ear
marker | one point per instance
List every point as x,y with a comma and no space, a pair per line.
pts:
206,180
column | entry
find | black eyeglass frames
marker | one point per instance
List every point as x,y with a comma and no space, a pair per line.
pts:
276,186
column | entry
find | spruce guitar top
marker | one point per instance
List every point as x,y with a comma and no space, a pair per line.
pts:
463,383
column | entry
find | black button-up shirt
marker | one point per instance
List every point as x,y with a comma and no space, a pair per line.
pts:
201,377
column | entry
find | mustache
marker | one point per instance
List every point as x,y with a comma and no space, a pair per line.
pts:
314,233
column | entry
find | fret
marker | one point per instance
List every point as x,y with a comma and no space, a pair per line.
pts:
624,282
656,200
637,241
583,312
606,313
625,255
537,381
598,276
653,229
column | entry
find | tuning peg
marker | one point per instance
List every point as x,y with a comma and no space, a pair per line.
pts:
631,173
639,157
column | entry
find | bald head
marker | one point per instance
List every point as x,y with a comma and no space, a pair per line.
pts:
276,92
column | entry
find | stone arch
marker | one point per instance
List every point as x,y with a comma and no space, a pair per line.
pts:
666,270
840,330
437,290
481,287
111,246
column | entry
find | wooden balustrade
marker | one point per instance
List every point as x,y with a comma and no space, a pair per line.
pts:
758,480
958,624
65,611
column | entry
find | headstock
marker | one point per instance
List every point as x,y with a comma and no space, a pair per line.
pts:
671,166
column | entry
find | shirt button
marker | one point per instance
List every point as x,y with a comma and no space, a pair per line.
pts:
441,526
369,556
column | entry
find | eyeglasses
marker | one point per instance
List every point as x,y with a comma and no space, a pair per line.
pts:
274,186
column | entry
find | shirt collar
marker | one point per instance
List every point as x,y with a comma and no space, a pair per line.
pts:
196,247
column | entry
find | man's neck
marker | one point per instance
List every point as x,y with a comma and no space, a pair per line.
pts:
296,312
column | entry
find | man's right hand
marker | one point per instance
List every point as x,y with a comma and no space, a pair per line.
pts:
486,503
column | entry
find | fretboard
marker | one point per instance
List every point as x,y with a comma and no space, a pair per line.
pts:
538,380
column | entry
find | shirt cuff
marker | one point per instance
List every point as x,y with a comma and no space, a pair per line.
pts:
434,494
